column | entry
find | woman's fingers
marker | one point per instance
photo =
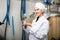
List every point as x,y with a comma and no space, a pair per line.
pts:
25,22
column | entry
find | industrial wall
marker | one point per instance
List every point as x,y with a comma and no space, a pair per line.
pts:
15,6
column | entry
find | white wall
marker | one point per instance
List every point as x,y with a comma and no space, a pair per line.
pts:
2,14
15,6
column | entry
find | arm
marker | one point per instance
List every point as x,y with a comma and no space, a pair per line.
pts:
25,23
27,26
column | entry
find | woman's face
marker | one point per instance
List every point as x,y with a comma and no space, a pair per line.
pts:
37,11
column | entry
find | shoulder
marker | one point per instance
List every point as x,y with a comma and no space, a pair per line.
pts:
45,20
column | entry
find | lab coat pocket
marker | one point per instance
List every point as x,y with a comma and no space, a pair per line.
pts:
40,36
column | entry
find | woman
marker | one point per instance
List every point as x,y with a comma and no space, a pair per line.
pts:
39,28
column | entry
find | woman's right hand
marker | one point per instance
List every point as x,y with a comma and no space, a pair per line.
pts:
24,22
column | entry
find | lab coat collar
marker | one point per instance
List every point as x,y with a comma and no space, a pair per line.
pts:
40,18
37,25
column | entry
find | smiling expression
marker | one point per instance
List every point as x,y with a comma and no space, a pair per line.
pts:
38,11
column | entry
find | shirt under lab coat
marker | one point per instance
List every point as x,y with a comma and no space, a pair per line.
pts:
39,29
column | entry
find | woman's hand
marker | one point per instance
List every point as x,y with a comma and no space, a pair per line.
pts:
25,23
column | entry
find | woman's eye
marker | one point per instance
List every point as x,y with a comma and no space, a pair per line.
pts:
37,9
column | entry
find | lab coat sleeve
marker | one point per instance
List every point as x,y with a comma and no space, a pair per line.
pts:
42,32
28,29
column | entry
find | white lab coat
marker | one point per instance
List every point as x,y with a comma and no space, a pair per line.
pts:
39,29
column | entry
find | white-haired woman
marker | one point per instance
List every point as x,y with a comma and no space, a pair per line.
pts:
39,28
